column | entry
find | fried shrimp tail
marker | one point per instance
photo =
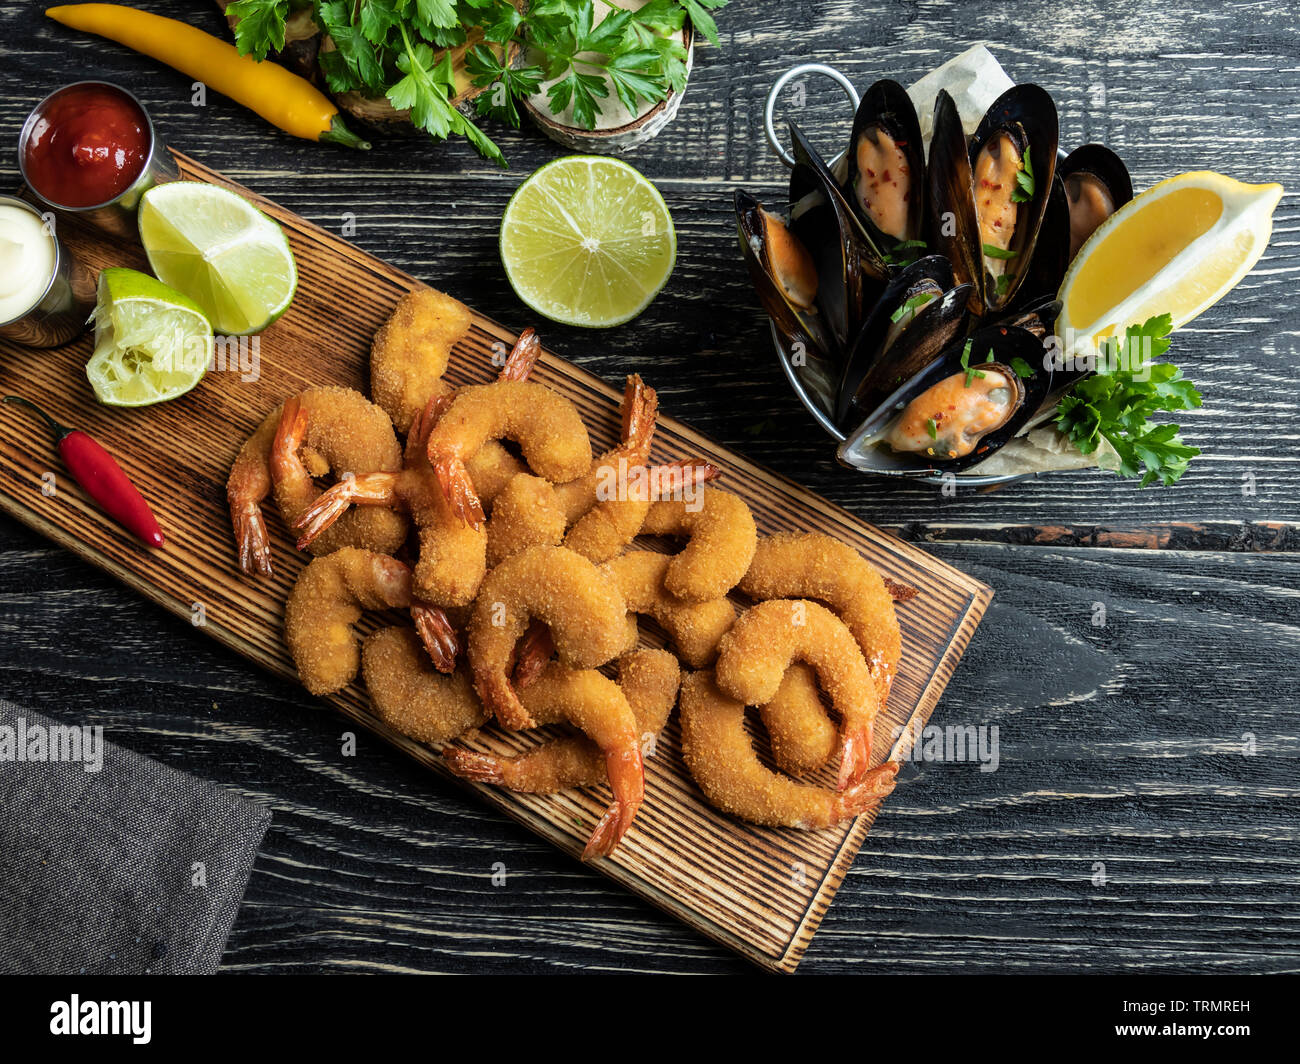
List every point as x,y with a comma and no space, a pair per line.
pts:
246,489
437,635
523,357
724,764
365,489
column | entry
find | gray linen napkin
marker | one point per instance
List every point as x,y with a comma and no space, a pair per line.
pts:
111,863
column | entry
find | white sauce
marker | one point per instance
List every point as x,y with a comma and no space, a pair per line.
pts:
27,254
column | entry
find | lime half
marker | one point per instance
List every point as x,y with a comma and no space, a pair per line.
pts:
587,241
221,251
151,342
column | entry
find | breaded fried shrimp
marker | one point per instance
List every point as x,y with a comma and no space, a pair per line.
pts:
350,434
452,558
580,604
410,696
648,680
596,706
801,732
327,600
694,627
722,760
524,515
546,426
753,658
813,565
410,351
720,534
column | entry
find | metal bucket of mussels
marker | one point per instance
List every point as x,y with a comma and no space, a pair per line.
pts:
911,280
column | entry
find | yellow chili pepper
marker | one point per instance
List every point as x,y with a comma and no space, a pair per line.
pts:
287,101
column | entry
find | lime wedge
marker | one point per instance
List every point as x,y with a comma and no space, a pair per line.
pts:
221,251
151,342
587,241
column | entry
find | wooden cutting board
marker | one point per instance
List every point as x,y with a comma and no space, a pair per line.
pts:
760,892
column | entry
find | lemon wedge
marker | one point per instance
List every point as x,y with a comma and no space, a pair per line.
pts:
1176,249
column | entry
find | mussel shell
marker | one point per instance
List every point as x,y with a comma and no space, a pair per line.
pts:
799,330
1028,113
1103,164
1051,255
862,450
848,263
1099,160
886,105
953,229
871,372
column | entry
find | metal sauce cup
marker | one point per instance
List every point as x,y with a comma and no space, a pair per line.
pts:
118,215
60,314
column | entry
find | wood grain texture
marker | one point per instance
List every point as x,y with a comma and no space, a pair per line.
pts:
761,892
1113,746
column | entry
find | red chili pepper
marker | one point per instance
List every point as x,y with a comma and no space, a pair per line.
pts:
94,469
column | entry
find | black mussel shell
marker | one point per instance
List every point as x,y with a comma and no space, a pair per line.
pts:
1099,162
887,107
840,246
1012,348
1035,316
1027,114
1051,257
877,364
953,230
802,330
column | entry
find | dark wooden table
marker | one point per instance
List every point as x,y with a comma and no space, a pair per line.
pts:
1128,827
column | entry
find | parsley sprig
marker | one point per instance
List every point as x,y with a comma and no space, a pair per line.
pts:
1118,401
1024,190
397,49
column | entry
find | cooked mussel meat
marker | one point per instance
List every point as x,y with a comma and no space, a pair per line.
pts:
783,273
988,212
1097,184
886,170
956,412
921,312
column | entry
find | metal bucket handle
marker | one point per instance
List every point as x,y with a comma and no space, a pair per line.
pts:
769,108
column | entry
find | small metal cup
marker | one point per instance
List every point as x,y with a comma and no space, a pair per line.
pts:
118,215
61,312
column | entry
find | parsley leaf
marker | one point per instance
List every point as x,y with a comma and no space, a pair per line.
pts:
904,253
399,49
260,28
1024,190
912,306
971,374
1117,402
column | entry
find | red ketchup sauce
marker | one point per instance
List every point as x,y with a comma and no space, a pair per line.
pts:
86,146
